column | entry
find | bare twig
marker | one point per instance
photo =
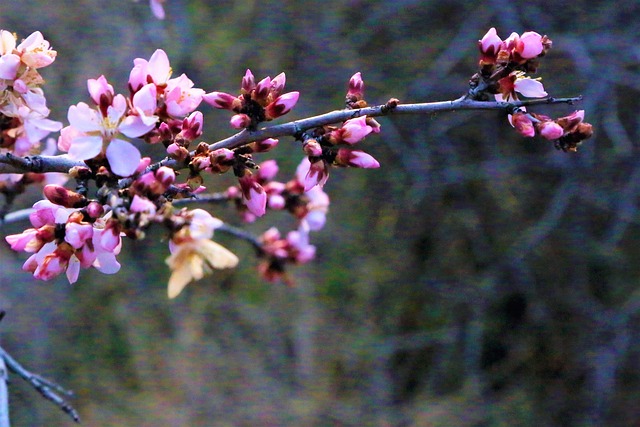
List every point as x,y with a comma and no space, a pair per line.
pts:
48,389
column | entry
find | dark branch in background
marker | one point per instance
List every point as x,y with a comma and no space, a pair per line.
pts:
48,389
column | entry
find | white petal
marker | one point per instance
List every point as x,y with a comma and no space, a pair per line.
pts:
123,157
85,147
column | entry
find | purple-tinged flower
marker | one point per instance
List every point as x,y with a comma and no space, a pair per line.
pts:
253,194
248,82
355,90
240,121
550,130
99,88
180,97
157,9
354,130
490,44
529,45
277,85
157,69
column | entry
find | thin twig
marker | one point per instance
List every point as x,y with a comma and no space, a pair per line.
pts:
48,389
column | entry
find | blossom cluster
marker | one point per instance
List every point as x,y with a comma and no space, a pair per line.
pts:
82,229
23,107
503,67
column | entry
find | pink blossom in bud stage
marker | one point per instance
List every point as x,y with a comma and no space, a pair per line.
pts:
143,205
166,176
27,241
317,208
180,97
220,100
550,130
268,170
240,121
157,69
529,45
523,124
277,85
248,82
276,201
312,148
157,9
356,87
254,196
264,145
177,152
35,51
570,122
356,158
77,234
317,173
192,126
354,130
262,89
282,105
98,88
490,44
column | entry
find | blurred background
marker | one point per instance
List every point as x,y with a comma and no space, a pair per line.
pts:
476,279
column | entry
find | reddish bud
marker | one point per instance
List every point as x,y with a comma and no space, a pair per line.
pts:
355,92
356,158
248,82
59,195
523,124
240,121
282,105
220,100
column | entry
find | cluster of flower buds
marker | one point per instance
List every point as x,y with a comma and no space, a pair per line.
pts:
503,67
23,107
278,252
155,109
567,132
257,102
307,206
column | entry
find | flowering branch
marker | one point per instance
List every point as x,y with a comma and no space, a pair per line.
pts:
81,228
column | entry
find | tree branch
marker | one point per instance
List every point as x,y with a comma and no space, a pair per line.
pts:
48,389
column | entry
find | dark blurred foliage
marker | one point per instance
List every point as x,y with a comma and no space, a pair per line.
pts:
476,279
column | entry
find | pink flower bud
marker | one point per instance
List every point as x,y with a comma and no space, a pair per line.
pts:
240,121
61,196
254,196
529,45
550,130
282,105
264,145
268,170
355,130
219,100
356,158
523,125
248,82
312,147
277,85
99,88
94,210
276,202
166,176
261,91
490,44
192,126
356,87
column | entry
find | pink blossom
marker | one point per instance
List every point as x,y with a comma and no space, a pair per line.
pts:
282,105
317,173
262,90
7,42
180,97
317,208
531,88
157,68
95,130
35,51
77,234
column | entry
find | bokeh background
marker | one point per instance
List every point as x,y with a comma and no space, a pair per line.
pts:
477,279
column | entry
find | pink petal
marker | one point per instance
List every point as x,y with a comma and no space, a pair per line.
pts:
123,157
135,126
85,147
84,118
9,66
530,88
